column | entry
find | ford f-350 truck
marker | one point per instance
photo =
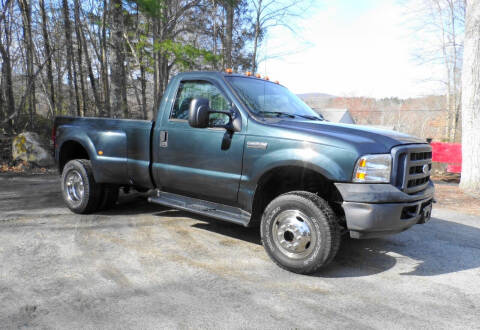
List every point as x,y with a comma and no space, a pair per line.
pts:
246,150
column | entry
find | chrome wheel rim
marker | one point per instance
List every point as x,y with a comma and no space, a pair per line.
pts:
74,186
293,234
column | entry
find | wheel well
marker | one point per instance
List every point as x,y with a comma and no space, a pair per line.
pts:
290,178
71,150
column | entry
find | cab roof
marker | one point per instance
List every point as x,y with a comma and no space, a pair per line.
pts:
220,73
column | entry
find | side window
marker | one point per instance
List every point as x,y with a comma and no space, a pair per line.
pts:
189,90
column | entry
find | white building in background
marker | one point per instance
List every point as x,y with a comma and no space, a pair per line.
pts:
336,115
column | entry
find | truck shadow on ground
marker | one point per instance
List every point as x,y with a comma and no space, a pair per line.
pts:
444,247
439,247
231,230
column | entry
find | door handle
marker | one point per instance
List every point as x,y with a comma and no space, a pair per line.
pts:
163,139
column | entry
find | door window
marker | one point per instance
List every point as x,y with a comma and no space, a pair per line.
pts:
189,90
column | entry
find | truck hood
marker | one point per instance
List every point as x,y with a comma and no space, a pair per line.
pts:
375,140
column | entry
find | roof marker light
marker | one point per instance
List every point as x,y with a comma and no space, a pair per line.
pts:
229,71
258,75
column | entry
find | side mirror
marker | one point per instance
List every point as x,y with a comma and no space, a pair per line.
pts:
199,116
198,113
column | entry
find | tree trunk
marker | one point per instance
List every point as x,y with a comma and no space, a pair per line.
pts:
59,71
214,33
107,109
48,55
26,9
68,38
119,81
2,99
143,81
7,76
144,92
161,62
256,37
96,97
229,31
76,13
470,180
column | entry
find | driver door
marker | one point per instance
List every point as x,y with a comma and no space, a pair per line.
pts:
192,161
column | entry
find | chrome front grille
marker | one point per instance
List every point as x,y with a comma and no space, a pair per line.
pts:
412,167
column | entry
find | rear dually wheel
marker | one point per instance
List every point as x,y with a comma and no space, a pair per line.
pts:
80,191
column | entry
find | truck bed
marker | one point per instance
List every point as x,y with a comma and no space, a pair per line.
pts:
118,148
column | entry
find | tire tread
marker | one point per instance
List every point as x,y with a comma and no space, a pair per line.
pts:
333,239
94,189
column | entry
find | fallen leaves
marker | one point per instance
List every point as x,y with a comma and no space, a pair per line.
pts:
21,167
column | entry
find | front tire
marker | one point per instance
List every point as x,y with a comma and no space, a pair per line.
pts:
80,191
300,232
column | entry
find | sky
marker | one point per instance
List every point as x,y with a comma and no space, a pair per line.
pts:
349,48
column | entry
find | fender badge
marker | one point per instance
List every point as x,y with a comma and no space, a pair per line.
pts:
257,145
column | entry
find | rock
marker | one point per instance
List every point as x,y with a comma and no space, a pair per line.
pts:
27,146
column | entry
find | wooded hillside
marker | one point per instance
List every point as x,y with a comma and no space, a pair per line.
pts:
113,58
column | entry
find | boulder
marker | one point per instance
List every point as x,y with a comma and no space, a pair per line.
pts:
28,146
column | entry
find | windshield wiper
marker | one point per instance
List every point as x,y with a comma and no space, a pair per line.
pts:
279,113
309,117
291,115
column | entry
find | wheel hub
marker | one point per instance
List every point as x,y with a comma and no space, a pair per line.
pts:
74,186
292,233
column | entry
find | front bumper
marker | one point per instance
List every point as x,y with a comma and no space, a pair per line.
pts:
374,210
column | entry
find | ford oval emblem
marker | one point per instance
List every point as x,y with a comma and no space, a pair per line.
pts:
425,169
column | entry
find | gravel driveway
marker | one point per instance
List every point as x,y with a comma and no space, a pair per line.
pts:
144,266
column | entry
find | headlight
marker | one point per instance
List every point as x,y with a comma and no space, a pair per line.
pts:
373,168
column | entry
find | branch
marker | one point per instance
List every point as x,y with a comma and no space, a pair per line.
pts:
27,91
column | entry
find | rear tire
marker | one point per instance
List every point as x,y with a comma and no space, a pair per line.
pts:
300,232
79,190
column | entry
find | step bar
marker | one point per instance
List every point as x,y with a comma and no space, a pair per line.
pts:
202,207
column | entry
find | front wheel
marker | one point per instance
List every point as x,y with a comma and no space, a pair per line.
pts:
80,191
300,232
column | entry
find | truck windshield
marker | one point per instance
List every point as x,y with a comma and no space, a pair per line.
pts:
268,99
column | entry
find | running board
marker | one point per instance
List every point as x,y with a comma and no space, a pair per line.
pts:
209,209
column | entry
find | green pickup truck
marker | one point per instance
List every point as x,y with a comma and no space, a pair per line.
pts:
246,150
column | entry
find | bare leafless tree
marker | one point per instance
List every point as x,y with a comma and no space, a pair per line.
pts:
7,76
441,24
48,55
272,13
471,100
26,12
119,77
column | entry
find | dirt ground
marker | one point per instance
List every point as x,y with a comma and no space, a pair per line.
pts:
140,265
449,196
